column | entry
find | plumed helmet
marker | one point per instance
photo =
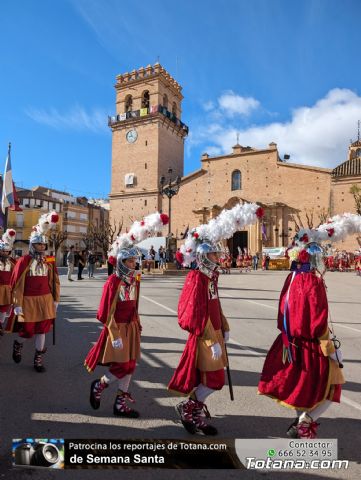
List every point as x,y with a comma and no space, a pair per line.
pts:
47,221
205,238
307,248
124,246
7,240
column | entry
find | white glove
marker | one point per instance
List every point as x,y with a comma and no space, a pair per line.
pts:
56,304
18,311
339,355
226,337
117,343
216,351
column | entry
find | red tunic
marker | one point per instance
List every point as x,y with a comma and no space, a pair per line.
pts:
305,382
121,316
195,309
36,294
5,290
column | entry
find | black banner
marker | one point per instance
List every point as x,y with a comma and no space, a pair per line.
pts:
150,453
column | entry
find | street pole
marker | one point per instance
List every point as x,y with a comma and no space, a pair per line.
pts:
170,190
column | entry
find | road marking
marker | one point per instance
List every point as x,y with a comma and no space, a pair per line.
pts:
250,301
276,308
159,304
348,328
81,320
252,352
350,402
89,419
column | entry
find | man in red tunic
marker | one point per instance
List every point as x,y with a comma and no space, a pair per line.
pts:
201,368
6,267
200,371
302,368
118,346
36,293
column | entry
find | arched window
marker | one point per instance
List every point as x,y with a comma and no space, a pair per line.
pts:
236,180
128,103
165,101
145,99
358,152
174,109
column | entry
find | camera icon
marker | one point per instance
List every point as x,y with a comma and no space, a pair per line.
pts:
40,454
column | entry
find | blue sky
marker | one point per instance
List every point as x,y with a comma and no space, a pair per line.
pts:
272,70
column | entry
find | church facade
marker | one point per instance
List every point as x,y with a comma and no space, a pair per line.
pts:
148,138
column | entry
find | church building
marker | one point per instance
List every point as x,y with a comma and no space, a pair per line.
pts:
148,137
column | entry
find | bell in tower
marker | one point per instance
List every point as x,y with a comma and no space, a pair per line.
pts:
147,140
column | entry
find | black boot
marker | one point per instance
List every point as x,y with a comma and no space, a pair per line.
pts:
38,361
17,348
185,411
96,389
121,409
292,431
198,418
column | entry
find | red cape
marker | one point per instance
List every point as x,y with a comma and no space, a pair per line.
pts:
19,269
192,317
304,383
109,291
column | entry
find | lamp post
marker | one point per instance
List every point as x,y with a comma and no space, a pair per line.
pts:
169,190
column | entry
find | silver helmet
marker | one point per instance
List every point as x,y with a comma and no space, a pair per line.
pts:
203,249
5,247
121,270
37,237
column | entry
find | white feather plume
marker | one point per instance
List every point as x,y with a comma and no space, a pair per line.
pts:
335,230
139,231
46,222
222,227
9,237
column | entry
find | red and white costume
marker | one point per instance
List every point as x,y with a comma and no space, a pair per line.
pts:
36,292
118,346
6,267
200,371
302,367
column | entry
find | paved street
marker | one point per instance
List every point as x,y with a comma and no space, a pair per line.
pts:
56,403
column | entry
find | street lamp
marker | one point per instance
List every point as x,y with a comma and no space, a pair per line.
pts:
169,190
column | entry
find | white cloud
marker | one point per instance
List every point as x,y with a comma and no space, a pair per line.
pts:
316,135
76,118
232,104
208,106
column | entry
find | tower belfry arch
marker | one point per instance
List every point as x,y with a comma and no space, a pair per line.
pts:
147,139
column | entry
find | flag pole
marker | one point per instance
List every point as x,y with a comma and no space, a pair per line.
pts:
6,208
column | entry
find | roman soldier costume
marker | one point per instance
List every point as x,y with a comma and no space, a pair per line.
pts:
200,371
36,292
6,267
302,368
118,346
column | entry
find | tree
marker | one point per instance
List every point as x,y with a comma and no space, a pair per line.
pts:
104,235
89,239
355,190
56,238
322,215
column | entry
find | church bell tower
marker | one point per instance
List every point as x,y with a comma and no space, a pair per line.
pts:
147,139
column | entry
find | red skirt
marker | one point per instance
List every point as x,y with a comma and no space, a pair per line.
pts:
29,329
302,384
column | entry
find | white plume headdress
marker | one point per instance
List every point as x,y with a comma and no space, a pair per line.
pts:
335,229
8,239
222,227
139,231
39,232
